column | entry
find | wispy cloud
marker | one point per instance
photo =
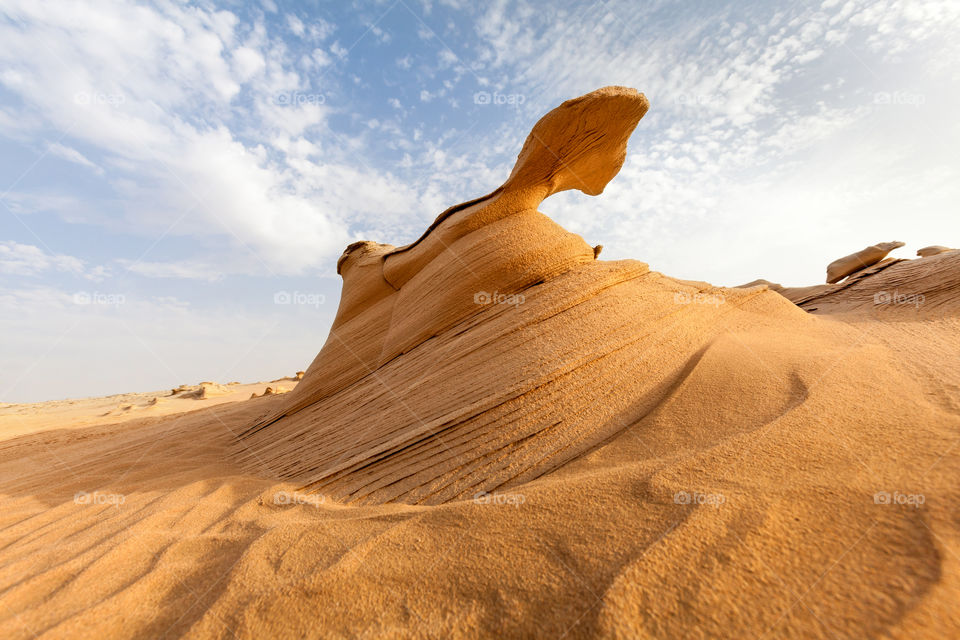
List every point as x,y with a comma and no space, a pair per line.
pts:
28,260
72,155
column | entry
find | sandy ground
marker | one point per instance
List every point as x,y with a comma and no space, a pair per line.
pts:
771,493
20,419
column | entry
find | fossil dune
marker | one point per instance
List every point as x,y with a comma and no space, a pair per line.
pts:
843,267
504,436
933,250
925,287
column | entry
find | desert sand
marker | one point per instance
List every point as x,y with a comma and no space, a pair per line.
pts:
504,436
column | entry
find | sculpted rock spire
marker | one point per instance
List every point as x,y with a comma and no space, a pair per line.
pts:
581,144
399,305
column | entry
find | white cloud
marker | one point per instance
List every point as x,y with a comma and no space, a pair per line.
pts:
180,269
174,131
380,34
338,50
321,58
29,260
447,58
247,63
295,25
320,29
72,155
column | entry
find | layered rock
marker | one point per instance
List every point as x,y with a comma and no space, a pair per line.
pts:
933,250
495,348
843,267
394,299
910,288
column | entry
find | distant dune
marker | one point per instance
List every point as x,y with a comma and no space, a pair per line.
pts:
505,436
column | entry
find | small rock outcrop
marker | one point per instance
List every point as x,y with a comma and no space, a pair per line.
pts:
843,267
933,250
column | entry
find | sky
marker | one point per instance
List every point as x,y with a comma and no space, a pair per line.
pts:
177,179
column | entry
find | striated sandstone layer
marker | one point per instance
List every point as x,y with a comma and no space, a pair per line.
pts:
417,328
843,267
926,252
922,288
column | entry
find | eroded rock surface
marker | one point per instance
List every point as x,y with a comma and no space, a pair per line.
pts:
472,358
843,267
933,250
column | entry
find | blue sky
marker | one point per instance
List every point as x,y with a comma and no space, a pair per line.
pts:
170,170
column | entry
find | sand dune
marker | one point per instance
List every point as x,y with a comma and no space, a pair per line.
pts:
504,436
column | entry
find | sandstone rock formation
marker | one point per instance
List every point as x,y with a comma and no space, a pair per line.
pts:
843,267
394,299
920,287
469,360
933,250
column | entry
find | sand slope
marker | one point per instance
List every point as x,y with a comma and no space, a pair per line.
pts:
591,450
796,445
